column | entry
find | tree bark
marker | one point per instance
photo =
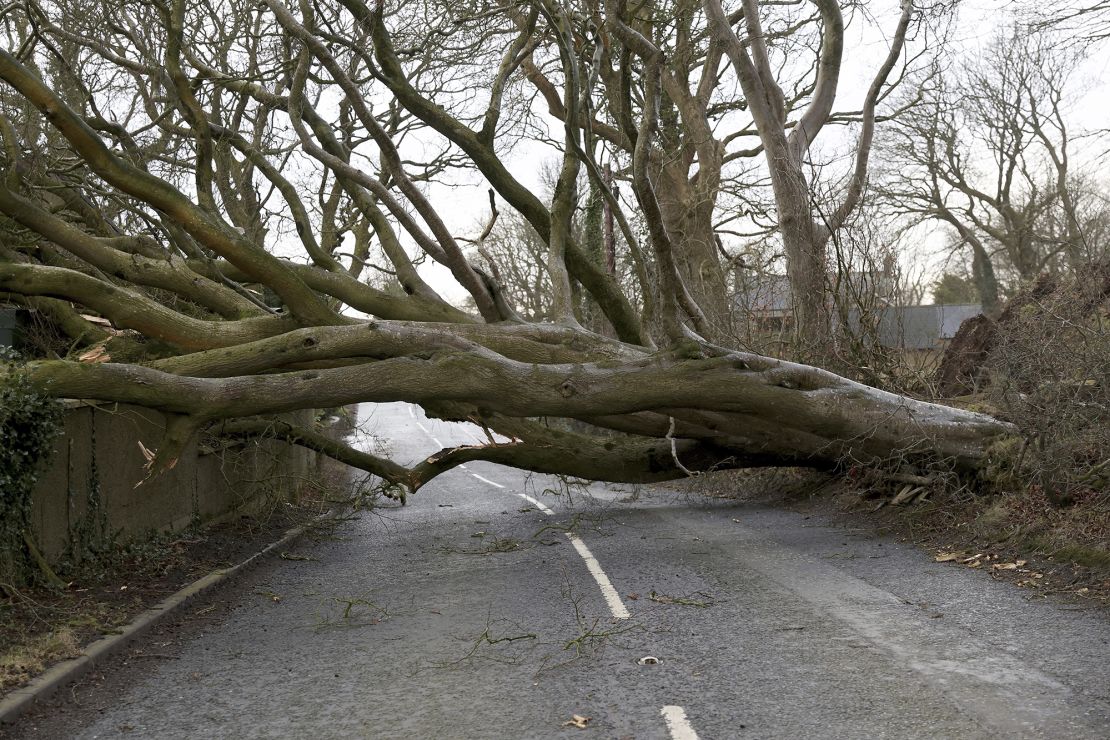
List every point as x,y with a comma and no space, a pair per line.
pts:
159,220
773,411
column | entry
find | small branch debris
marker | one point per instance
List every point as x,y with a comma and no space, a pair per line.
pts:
705,603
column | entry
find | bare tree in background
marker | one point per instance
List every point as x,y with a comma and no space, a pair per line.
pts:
990,153
1086,20
217,180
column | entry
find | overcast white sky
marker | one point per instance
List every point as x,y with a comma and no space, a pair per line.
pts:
464,204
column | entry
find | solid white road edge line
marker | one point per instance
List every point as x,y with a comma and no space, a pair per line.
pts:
536,503
680,728
487,480
612,598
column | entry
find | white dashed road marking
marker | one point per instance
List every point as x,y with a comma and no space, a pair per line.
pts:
430,435
612,598
536,503
680,728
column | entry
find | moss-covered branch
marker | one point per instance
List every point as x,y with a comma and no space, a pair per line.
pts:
167,273
533,447
129,309
820,416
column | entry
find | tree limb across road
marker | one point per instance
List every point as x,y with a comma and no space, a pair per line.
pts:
243,192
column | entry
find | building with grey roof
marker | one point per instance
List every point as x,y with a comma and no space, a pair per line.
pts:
767,301
918,327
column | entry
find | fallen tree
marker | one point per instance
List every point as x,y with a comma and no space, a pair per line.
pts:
160,157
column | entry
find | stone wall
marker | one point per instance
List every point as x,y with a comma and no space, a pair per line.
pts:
90,487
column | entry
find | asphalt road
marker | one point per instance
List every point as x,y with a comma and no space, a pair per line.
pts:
500,605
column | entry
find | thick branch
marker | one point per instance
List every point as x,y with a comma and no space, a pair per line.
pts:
215,235
168,274
852,419
128,309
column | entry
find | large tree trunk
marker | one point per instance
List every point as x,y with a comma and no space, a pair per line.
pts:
804,246
722,409
687,210
152,232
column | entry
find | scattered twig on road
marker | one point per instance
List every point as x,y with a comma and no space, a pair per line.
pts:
488,638
592,520
592,632
708,601
491,543
357,612
293,556
272,596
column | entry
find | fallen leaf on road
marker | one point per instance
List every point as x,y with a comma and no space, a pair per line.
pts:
946,557
633,596
577,720
648,660
1004,566
973,558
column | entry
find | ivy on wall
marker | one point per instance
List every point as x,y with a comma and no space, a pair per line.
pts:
29,423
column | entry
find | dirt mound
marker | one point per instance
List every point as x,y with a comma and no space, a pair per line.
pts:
963,368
